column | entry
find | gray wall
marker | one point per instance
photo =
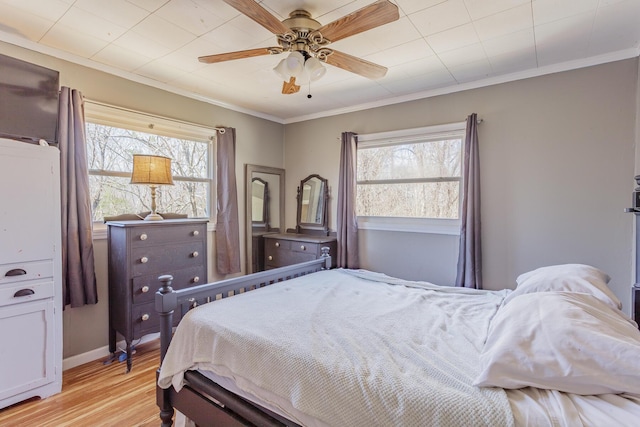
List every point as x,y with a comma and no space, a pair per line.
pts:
557,167
258,142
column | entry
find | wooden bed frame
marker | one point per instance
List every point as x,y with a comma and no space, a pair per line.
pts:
201,400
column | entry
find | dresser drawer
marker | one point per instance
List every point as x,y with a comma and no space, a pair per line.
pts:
282,257
166,259
25,292
312,248
277,244
146,320
154,235
271,255
145,287
20,272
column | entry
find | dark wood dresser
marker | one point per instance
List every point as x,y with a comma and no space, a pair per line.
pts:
139,252
288,248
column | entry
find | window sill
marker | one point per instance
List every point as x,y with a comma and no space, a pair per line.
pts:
410,225
100,229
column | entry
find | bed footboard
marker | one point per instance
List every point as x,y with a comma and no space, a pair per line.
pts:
168,300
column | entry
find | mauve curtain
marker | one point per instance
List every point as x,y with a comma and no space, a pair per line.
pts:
78,269
347,220
227,227
469,273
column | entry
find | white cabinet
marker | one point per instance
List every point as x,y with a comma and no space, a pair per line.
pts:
30,272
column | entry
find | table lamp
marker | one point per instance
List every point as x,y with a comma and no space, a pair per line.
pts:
153,171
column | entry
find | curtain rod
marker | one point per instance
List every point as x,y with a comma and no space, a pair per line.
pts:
104,104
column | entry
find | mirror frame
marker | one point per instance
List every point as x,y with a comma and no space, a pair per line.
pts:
249,172
321,229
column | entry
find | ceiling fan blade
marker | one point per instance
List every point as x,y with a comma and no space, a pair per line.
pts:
379,13
229,56
259,14
356,65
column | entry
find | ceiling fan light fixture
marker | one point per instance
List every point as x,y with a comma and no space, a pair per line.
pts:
291,66
295,64
314,69
281,70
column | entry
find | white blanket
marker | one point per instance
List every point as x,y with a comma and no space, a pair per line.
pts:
348,349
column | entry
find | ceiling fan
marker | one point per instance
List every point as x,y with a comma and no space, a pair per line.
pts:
306,40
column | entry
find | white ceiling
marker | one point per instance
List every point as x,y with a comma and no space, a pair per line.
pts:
436,46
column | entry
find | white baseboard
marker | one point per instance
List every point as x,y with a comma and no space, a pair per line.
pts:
100,353
81,359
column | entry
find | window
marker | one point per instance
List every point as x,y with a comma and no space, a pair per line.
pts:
114,135
410,180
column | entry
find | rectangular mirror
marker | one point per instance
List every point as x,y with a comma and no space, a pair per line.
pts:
264,205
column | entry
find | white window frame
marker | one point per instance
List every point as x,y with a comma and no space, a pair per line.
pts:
109,115
414,225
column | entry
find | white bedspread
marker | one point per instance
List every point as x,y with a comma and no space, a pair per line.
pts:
348,349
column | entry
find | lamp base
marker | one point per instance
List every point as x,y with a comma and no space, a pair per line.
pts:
153,217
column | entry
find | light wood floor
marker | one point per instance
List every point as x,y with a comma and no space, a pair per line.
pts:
96,395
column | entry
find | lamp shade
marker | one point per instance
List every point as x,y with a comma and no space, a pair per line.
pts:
152,170
295,63
291,66
281,70
314,69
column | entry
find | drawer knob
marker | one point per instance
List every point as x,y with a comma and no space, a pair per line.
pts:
196,233
277,244
144,260
145,317
143,236
270,258
302,247
195,254
145,289
196,279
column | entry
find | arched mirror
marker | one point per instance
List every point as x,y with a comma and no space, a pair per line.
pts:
313,196
264,206
259,203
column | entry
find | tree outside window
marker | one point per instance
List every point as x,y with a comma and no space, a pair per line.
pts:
416,179
110,158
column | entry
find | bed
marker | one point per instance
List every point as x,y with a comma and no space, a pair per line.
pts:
305,345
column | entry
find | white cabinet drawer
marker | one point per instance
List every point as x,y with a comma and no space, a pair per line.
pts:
25,292
20,272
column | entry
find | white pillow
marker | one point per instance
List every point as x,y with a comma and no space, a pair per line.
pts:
567,277
566,341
